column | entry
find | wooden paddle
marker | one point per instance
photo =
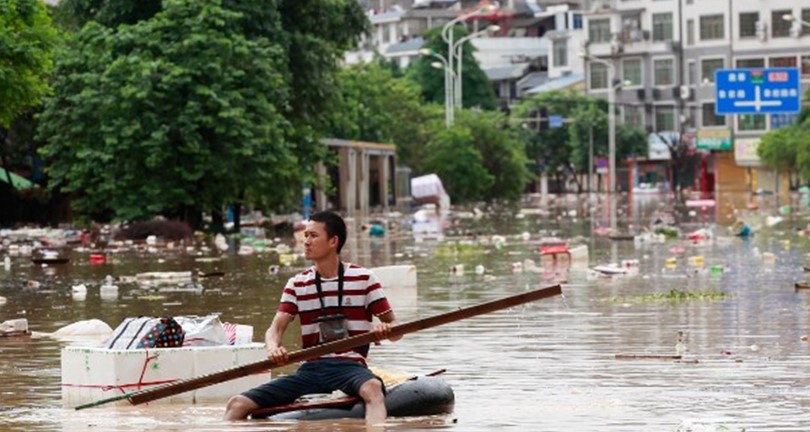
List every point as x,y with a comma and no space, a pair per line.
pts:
184,385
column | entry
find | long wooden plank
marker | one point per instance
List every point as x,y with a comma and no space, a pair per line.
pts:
181,386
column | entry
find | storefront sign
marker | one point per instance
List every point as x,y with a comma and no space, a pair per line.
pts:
714,139
745,151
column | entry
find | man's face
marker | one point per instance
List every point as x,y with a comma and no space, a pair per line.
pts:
317,243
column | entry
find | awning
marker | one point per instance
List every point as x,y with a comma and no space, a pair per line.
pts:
17,181
558,84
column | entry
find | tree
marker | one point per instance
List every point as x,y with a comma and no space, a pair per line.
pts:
27,40
477,88
453,157
306,41
682,157
505,157
173,115
567,148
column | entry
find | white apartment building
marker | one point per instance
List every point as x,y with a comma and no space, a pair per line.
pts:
665,53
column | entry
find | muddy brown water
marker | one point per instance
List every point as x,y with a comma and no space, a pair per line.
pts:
548,365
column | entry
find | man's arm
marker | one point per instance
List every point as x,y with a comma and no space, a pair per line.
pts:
274,334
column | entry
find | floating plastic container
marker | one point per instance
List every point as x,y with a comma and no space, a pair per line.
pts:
671,263
717,269
98,259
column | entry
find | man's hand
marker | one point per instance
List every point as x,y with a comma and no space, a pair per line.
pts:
278,354
383,331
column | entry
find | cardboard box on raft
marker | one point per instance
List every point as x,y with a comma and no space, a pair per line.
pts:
91,374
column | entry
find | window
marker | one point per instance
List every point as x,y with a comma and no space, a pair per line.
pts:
631,71
805,66
560,52
599,76
665,118
711,27
748,24
663,72
707,68
751,63
782,61
599,30
710,118
751,122
778,121
577,18
805,18
693,73
690,32
662,27
780,27
634,116
692,120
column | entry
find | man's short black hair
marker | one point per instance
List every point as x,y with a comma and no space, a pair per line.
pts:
334,225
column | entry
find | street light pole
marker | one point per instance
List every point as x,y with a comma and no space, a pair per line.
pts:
458,49
447,36
611,131
442,64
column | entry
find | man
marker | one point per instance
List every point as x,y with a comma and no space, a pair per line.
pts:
334,300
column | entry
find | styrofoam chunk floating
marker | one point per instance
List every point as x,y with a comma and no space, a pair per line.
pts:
91,374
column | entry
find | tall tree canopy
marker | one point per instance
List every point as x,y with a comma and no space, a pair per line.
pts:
477,89
27,40
375,106
181,106
174,114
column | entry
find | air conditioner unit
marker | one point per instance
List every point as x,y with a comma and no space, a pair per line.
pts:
674,45
761,30
796,28
685,92
616,47
641,94
656,94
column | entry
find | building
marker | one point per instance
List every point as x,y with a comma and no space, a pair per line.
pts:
665,54
533,47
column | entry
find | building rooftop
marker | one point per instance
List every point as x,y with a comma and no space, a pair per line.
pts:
510,72
558,83
401,47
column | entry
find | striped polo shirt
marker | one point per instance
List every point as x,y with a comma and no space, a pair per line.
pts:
363,298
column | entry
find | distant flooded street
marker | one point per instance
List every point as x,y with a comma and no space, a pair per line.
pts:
549,365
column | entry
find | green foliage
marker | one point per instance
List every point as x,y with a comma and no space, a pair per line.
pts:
554,148
456,249
780,148
477,89
27,40
177,112
375,106
453,156
505,158
674,295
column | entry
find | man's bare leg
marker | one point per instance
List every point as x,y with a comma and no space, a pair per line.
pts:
372,394
239,407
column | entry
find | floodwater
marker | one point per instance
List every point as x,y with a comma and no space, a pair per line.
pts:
549,365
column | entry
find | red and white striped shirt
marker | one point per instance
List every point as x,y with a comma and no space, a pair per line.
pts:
363,297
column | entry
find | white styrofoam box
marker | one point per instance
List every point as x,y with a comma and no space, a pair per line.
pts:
90,374
399,284
396,276
217,358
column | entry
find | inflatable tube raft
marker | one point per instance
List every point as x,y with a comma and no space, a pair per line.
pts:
421,396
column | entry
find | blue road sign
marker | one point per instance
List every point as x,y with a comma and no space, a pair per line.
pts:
757,91
555,121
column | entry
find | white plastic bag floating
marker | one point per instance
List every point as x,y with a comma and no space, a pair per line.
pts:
203,330
91,329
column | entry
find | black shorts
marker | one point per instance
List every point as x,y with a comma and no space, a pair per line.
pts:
318,376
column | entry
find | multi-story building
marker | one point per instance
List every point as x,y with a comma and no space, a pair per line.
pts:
534,45
665,54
